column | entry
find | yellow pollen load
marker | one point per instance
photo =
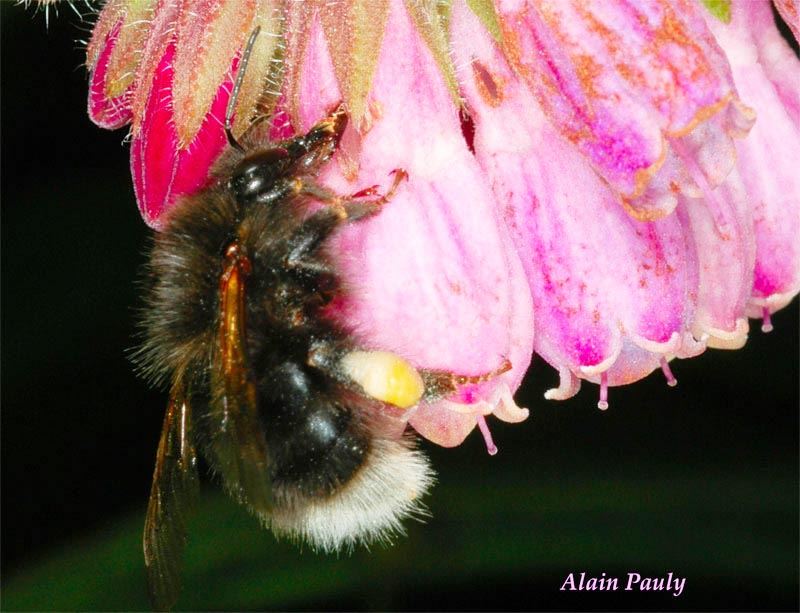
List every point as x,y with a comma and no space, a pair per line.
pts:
385,376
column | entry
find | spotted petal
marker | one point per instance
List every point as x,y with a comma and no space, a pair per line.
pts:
623,82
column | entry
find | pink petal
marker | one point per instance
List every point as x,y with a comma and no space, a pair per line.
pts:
161,170
753,24
721,225
768,157
624,80
610,294
768,160
433,276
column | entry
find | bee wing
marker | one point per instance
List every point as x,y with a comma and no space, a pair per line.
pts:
174,491
238,444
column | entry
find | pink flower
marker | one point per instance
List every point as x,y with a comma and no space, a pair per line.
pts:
617,177
612,295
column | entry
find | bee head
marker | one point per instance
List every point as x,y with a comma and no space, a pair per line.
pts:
256,175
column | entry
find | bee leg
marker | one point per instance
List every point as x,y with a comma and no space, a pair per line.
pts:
318,144
399,175
379,375
305,243
355,206
302,259
441,383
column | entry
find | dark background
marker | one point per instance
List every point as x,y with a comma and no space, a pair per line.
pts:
700,480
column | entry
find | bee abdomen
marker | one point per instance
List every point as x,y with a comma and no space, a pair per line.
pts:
315,445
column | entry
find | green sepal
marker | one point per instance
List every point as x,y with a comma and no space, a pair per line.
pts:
721,9
431,18
484,10
354,32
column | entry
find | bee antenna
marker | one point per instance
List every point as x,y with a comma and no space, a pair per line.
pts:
236,87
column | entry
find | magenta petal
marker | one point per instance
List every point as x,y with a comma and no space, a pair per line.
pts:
153,148
161,36
105,112
433,276
162,172
195,161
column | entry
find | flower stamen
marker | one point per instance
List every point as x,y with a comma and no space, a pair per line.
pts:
671,380
766,321
491,448
602,404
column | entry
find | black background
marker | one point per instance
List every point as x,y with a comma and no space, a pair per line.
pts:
79,430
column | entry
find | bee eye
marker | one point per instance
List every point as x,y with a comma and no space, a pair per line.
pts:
256,174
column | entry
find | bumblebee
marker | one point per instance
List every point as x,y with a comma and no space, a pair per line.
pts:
302,423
